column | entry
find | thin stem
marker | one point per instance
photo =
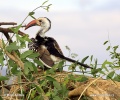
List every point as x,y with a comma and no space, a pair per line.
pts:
32,11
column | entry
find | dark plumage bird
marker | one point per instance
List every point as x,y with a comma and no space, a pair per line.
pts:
48,48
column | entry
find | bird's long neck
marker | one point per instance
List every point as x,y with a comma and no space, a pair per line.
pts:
42,32
40,36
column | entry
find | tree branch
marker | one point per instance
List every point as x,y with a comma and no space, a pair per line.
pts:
7,23
8,30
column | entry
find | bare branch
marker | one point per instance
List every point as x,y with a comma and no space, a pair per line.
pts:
7,23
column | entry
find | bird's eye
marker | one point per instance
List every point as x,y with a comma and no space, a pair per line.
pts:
40,20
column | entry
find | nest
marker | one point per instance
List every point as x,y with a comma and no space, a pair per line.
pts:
93,88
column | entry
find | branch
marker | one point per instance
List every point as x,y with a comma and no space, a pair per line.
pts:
8,30
7,23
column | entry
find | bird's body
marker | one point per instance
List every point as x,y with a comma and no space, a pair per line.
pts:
49,50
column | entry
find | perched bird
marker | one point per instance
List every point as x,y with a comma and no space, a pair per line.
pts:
48,48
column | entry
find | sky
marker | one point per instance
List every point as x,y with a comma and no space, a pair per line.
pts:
83,25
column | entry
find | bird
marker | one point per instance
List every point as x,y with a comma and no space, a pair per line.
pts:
49,49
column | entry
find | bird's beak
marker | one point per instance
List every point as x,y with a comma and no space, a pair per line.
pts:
32,23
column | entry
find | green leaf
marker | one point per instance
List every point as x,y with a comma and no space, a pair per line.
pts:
56,98
33,92
26,70
26,53
84,59
16,29
117,78
38,89
73,55
14,70
63,91
44,2
115,48
29,65
47,7
67,48
91,58
2,78
12,46
22,45
34,55
56,85
23,38
26,38
1,59
31,13
95,63
71,77
108,48
110,75
95,71
102,72
38,98
48,94
106,63
82,79
39,62
3,43
50,78
51,71
35,68
72,67
60,66
105,42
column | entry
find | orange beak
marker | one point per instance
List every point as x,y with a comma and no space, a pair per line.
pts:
32,23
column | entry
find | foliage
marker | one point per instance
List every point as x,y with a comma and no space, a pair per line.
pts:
48,86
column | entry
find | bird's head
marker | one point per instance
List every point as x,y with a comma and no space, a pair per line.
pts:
43,22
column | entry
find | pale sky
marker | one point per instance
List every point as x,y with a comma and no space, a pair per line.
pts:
83,25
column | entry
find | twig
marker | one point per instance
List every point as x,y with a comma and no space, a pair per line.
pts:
8,23
17,26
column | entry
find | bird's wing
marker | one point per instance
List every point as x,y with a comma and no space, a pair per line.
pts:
53,47
45,56
57,47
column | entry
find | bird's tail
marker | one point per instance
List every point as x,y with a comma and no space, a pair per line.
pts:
74,61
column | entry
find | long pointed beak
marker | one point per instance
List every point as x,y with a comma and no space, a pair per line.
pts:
32,23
